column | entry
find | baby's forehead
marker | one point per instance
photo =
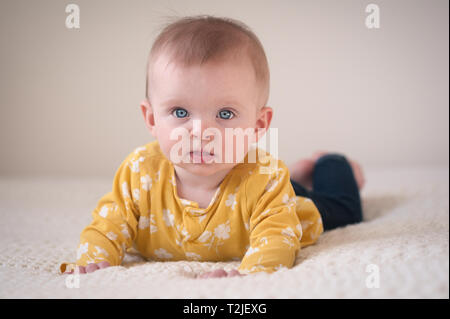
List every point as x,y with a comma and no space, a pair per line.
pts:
232,73
226,73
166,62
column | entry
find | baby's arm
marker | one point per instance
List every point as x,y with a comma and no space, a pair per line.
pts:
114,226
275,229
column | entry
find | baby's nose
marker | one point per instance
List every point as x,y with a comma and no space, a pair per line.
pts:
202,130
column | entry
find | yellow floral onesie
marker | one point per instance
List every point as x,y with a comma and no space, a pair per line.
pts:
253,217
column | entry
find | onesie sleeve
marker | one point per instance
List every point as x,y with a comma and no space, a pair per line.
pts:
115,219
275,230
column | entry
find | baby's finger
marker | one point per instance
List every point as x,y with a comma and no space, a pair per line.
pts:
233,273
218,273
202,276
91,268
103,264
81,269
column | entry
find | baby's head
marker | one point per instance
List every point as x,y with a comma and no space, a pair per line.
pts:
204,75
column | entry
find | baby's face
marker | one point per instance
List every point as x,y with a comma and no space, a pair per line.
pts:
200,100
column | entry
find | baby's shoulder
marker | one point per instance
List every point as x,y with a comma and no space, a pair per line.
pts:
147,159
149,150
256,174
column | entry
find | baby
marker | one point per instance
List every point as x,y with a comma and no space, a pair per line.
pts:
207,76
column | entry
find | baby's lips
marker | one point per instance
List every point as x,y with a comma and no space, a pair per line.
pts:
202,152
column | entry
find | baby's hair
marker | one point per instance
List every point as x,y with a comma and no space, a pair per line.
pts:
194,40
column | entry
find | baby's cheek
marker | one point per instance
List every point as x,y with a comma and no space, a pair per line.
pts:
236,146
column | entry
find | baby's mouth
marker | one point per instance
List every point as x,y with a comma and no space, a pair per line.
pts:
201,157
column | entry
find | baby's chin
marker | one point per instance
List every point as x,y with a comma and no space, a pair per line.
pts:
205,169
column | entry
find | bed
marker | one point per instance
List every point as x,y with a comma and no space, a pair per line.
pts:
400,250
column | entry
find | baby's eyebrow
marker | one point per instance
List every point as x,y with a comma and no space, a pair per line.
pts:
171,101
220,103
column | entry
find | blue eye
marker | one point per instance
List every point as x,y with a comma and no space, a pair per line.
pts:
180,113
226,114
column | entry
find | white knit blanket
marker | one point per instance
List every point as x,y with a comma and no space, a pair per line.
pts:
399,251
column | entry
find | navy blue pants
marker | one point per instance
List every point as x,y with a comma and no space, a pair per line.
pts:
335,191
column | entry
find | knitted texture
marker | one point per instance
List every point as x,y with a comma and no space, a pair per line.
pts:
400,250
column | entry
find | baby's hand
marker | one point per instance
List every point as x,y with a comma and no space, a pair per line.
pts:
219,273
90,268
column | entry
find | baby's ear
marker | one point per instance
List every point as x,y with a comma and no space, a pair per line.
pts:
149,118
263,121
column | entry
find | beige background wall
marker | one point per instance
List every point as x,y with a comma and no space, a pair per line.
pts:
69,99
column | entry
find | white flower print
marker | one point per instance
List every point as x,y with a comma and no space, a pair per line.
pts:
251,251
124,249
289,201
288,231
193,256
146,182
134,165
161,253
263,241
100,251
185,234
231,201
185,202
168,217
289,234
136,194
288,241
111,235
124,231
215,239
278,170
104,211
125,191
153,227
204,236
265,212
222,231
306,224
201,218
271,185
257,268
82,249
144,222
139,149
300,230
